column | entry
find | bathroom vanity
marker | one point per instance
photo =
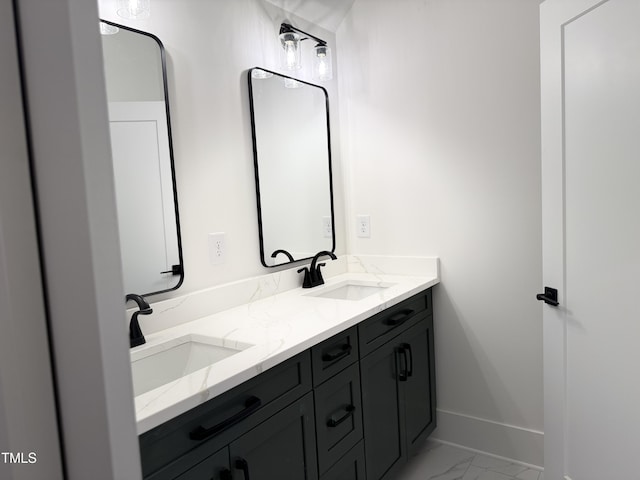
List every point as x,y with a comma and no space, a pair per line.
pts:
350,406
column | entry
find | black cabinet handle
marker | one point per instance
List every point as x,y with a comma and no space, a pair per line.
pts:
241,464
250,406
399,318
550,296
332,422
341,351
402,373
225,475
406,348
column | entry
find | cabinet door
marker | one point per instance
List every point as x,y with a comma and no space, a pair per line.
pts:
349,467
216,467
419,389
382,398
282,447
338,416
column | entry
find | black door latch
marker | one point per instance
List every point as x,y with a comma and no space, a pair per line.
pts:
550,296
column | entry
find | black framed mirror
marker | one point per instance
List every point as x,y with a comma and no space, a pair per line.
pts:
142,151
292,158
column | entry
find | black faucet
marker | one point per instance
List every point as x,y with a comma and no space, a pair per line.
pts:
135,333
284,252
312,274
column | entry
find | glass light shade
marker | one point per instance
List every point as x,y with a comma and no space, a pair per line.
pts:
322,64
291,83
290,50
134,9
106,29
260,74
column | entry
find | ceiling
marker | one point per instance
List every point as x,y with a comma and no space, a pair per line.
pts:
326,13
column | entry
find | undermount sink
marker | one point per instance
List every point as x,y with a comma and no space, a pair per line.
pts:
351,290
169,361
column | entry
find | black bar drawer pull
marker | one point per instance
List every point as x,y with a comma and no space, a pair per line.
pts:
341,351
332,422
406,348
241,464
399,318
225,475
250,406
402,372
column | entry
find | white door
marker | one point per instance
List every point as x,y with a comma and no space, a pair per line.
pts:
144,194
591,235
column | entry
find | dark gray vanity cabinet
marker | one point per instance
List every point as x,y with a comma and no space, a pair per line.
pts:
398,384
282,447
353,407
215,467
192,442
349,467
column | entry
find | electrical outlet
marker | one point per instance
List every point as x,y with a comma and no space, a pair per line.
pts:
327,231
363,226
217,248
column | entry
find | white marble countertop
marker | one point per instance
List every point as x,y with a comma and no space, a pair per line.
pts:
279,327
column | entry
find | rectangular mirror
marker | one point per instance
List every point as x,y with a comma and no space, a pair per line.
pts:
292,153
146,197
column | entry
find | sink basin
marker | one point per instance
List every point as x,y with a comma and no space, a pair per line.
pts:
169,361
351,290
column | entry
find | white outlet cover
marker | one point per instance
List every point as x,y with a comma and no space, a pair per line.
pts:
327,231
363,226
217,248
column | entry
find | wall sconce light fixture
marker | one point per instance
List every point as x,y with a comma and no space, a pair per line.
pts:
134,9
291,58
290,42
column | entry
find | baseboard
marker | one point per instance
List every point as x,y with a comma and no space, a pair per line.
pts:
510,442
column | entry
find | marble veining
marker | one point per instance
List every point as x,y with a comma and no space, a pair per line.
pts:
437,461
279,326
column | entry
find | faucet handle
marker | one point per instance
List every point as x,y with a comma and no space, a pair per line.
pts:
306,283
318,275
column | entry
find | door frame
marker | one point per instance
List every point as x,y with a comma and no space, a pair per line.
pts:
68,134
555,15
28,417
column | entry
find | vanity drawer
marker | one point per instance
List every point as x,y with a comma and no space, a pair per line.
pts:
349,467
212,425
215,467
338,416
385,325
334,355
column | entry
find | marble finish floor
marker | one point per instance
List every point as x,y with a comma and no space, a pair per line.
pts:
438,461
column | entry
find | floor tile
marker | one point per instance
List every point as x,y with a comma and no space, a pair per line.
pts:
497,465
529,474
438,462
478,473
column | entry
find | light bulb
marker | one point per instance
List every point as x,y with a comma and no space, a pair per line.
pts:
323,69
290,50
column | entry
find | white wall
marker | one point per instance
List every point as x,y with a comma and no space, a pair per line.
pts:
210,45
440,115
